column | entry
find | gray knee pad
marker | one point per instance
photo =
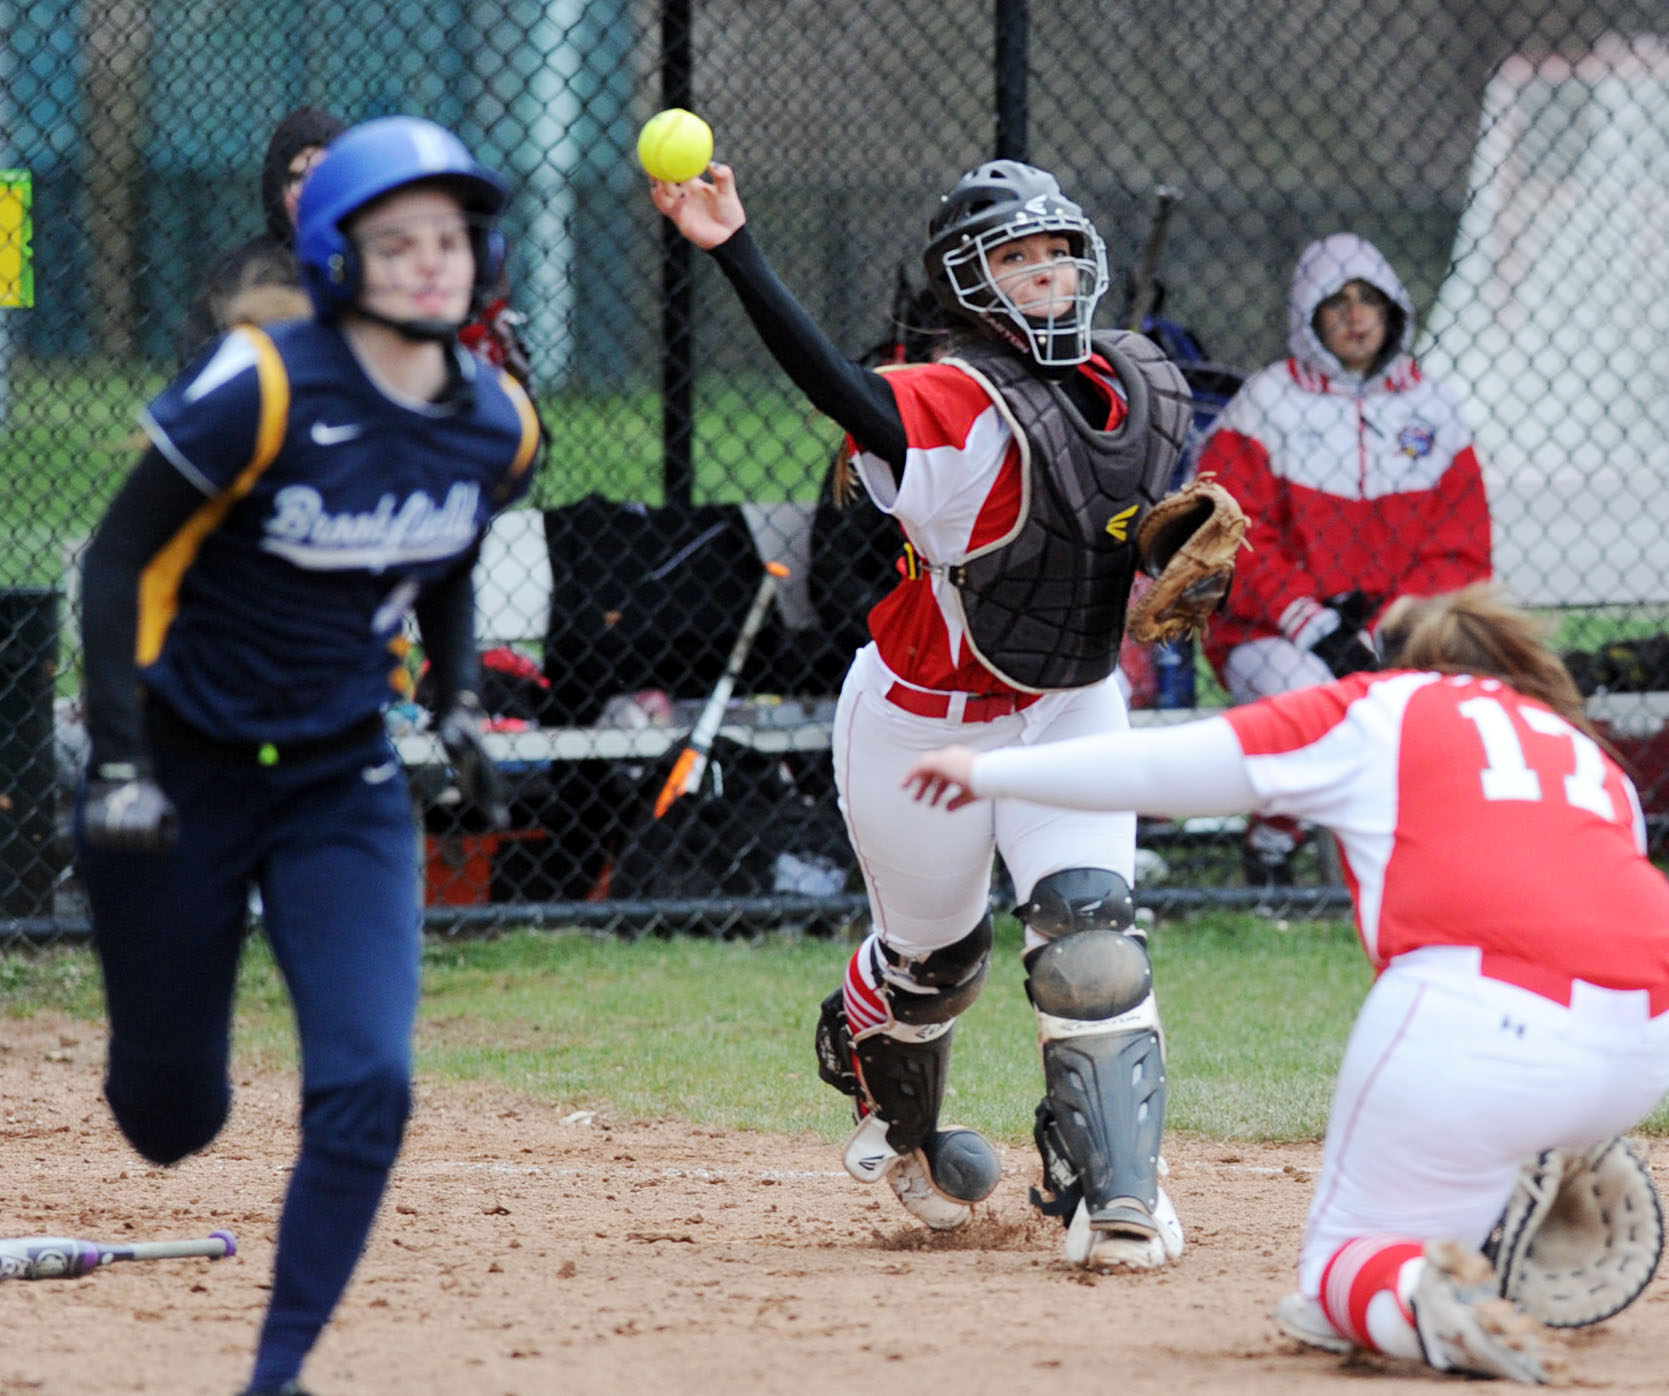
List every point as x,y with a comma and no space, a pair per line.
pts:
940,984
1078,899
1103,1111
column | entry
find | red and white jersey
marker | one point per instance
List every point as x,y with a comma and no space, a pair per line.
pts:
1470,815
960,489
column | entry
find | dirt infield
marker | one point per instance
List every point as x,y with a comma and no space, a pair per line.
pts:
528,1251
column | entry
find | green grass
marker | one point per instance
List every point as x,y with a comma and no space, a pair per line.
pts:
755,439
71,435
718,1032
1256,1014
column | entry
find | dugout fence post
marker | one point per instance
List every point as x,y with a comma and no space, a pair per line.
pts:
677,281
28,772
1013,33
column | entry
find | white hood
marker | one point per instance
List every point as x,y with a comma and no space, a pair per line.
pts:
1323,270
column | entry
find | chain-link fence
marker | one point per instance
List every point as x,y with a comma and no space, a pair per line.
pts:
1509,161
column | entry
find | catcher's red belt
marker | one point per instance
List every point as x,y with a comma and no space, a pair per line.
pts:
976,707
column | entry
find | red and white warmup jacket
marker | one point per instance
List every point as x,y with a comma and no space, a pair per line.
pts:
1466,814
960,489
1348,483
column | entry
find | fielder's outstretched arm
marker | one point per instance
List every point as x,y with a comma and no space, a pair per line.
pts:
1195,768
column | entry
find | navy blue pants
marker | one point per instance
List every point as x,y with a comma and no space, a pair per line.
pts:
332,846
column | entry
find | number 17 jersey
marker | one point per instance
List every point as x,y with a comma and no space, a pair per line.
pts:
1468,814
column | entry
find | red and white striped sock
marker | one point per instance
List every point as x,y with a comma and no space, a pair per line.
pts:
866,1006
1365,1291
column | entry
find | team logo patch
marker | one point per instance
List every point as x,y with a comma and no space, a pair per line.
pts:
1119,525
1416,440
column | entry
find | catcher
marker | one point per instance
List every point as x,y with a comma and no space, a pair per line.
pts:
1020,466
1521,1005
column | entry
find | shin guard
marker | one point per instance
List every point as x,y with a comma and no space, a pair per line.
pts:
885,1040
1103,1112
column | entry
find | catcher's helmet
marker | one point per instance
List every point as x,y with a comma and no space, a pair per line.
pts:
995,203
362,165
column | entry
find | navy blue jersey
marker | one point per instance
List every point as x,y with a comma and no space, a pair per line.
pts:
276,613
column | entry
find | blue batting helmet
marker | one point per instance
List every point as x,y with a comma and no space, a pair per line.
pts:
362,165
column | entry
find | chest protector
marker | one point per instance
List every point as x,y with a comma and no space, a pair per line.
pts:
1043,606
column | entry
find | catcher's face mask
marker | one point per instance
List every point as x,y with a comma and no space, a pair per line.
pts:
1003,202
1037,280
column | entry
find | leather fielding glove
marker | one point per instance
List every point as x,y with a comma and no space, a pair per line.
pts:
1581,1235
1188,543
480,782
124,808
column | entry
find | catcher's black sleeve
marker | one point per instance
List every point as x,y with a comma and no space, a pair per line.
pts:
152,506
857,398
446,621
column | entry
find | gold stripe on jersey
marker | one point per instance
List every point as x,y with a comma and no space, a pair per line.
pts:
159,583
530,432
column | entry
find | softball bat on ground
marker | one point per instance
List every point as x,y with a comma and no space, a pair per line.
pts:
68,1258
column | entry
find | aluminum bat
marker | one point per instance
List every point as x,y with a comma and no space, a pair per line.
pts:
69,1258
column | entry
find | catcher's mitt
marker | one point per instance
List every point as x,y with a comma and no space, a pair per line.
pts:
1581,1235
1187,543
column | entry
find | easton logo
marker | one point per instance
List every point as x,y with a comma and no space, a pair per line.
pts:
1119,525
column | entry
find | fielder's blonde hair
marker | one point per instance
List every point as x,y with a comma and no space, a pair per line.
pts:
1478,630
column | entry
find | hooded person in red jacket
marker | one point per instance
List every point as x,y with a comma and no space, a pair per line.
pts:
1360,479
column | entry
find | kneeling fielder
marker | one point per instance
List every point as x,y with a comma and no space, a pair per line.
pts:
1521,1008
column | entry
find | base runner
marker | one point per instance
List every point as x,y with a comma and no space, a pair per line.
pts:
307,487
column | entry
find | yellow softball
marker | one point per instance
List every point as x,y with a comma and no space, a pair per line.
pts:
675,145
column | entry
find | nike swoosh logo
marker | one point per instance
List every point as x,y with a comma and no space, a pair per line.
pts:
379,775
330,436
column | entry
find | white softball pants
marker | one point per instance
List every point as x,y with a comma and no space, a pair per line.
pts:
1451,1080
928,873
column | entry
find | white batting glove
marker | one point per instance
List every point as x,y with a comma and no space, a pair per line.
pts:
126,809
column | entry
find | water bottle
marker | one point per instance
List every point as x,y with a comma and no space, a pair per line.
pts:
1173,664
